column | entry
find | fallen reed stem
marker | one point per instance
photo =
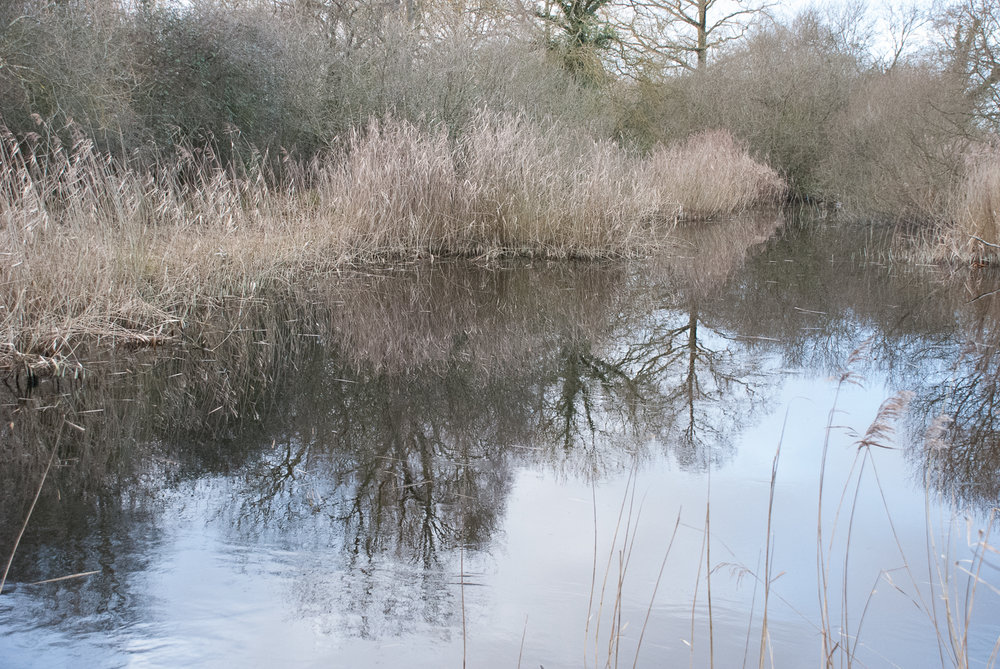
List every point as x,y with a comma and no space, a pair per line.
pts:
38,493
656,586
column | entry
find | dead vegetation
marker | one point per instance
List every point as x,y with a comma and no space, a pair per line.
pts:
98,249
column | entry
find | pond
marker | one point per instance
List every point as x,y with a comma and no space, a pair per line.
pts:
770,446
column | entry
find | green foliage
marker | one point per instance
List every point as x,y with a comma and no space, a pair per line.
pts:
582,35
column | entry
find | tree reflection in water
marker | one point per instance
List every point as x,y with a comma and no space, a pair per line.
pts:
393,404
961,410
384,415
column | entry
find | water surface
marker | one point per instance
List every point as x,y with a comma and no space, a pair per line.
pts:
528,463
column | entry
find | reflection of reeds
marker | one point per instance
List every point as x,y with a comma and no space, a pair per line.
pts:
31,509
707,255
544,334
619,554
425,313
945,596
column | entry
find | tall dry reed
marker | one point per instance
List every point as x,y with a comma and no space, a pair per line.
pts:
974,234
506,186
109,249
710,175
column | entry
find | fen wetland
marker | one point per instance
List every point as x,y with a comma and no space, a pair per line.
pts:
730,455
508,334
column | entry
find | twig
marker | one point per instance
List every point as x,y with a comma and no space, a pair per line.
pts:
461,577
979,297
656,587
708,568
593,584
983,241
66,578
822,588
524,633
769,542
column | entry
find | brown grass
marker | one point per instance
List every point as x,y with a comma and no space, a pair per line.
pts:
683,172
974,234
95,249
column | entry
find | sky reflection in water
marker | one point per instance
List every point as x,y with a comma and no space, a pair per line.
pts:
355,471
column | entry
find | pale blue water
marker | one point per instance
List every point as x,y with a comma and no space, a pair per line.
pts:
446,462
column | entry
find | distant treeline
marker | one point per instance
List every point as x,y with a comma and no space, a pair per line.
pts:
848,105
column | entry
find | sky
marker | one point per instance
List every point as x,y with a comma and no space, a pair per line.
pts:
790,7
878,10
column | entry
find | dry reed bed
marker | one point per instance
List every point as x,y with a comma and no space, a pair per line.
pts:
973,234
99,249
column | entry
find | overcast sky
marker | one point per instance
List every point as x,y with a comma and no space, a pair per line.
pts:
789,7
876,9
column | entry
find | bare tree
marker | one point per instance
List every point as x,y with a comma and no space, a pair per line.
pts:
903,23
971,41
680,33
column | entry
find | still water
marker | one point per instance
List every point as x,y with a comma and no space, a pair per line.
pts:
770,446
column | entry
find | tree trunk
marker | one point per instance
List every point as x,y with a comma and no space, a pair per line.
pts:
702,48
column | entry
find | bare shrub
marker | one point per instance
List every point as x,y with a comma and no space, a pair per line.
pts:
776,91
230,76
71,62
897,148
208,72
885,140
449,77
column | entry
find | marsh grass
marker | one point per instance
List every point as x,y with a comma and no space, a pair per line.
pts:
713,157
942,585
968,223
608,652
945,595
113,251
974,235
510,186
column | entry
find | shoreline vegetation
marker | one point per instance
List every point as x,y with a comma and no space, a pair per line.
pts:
100,250
243,179
157,157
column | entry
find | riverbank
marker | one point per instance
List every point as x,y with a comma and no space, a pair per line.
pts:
98,250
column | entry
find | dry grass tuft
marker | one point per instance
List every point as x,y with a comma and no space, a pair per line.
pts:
711,175
974,235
